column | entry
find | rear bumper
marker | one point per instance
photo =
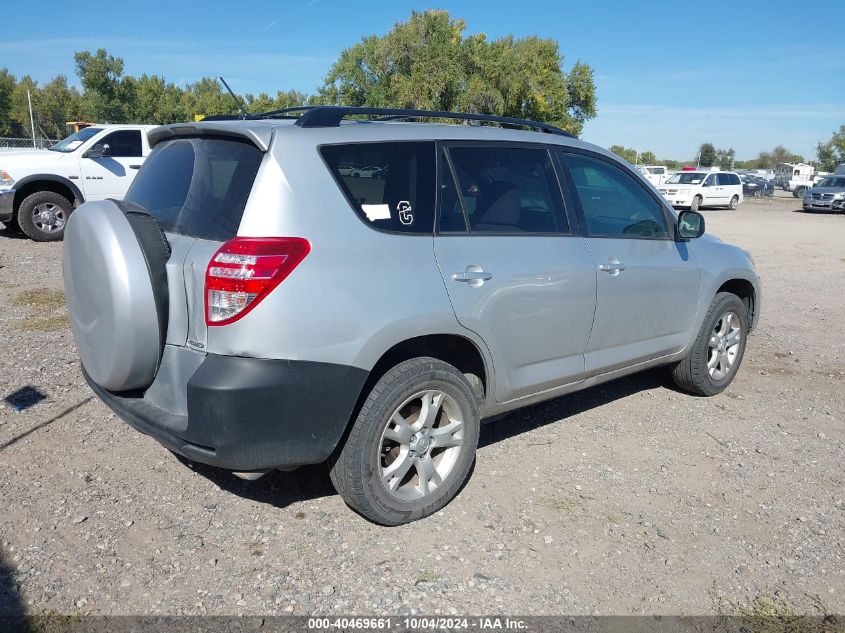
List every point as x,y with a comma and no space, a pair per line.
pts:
7,199
251,414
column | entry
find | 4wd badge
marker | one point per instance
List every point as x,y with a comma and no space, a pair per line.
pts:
406,214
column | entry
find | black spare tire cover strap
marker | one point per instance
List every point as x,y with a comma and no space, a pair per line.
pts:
156,250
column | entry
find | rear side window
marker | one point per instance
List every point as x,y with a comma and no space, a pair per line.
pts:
502,190
728,179
197,186
391,186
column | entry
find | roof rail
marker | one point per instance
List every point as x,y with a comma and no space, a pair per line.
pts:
331,116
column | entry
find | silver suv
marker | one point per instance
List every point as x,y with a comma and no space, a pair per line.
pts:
297,288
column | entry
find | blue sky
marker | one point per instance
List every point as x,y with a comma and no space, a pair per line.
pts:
669,75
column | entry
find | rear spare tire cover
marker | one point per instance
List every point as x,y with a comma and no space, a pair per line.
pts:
112,301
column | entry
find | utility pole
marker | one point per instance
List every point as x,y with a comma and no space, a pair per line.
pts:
31,118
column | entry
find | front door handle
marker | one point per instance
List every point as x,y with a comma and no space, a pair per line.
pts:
473,275
613,266
134,167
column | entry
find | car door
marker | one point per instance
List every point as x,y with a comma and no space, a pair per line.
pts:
711,192
515,273
109,175
648,284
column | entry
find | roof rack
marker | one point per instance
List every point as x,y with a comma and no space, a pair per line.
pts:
331,116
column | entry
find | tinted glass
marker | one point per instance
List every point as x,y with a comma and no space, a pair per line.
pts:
451,212
735,179
507,190
614,203
390,185
126,143
728,179
198,186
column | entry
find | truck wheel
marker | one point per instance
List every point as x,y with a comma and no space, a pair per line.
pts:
716,354
734,203
696,204
411,447
43,216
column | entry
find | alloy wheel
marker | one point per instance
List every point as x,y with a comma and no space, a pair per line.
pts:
723,346
48,217
420,445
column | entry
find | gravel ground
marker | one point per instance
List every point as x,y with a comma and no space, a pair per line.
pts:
627,498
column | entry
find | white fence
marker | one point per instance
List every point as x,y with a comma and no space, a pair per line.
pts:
7,143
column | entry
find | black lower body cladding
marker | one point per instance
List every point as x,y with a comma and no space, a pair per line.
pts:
251,414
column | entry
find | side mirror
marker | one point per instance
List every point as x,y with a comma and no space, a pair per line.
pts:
98,151
690,225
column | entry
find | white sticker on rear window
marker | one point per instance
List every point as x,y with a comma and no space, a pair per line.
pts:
376,211
695,182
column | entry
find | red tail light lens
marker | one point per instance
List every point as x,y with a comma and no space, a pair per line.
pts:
244,271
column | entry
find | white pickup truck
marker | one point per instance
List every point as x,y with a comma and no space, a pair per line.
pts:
40,188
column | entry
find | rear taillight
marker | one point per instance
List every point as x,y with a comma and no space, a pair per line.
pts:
244,271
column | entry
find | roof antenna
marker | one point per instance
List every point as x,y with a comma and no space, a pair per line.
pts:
238,103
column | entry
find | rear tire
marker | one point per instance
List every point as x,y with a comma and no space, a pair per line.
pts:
716,354
399,464
696,204
734,203
43,216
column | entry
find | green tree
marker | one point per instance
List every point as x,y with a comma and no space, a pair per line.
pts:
206,97
628,153
725,158
58,103
832,153
706,155
19,104
104,93
7,87
648,158
154,100
428,63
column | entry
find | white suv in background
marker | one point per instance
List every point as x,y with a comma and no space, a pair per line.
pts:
698,189
40,188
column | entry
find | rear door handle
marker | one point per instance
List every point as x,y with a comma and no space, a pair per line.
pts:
134,167
613,266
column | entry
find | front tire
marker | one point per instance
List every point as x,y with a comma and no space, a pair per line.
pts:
43,215
412,444
696,204
716,354
799,192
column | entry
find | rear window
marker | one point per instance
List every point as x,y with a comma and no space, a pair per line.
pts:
391,186
197,186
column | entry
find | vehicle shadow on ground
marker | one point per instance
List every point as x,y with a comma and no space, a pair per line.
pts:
13,234
276,488
12,609
281,489
559,409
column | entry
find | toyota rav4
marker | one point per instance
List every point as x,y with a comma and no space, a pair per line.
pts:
264,297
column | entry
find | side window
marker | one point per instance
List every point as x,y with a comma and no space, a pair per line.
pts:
709,181
735,179
391,186
502,190
614,203
725,179
452,218
123,143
